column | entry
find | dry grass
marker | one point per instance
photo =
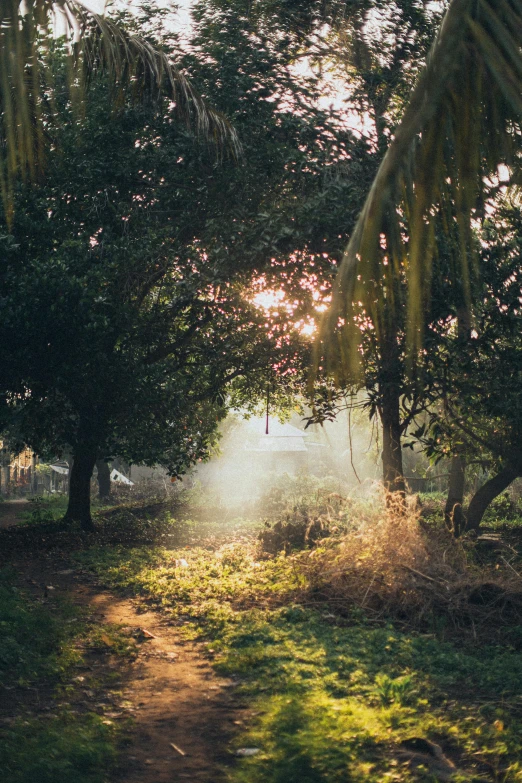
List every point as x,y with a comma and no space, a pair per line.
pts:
393,566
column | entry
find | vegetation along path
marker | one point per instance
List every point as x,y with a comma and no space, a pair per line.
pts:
161,650
177,714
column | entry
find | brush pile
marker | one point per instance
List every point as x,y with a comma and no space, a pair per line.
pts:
305,522
393,567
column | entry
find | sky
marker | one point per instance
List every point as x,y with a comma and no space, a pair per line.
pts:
181,20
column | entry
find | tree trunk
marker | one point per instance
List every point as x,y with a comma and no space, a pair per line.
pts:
104,479
390,412
79,508
453,512
34,485
393,475
488,492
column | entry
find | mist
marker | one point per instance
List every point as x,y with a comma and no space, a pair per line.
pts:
250,464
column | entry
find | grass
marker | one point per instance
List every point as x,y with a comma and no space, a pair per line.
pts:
60,749
34,642
332,698
41,646
45,510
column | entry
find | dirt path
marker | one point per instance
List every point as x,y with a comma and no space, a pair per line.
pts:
177,700
12,511
169,690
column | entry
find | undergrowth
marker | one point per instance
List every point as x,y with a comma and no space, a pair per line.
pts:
334,697
33,641
503,512
58,749
393,567
40,648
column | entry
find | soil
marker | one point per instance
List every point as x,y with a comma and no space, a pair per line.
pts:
183,716
12,511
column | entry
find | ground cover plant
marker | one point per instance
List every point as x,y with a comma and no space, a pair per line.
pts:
49,731
338,691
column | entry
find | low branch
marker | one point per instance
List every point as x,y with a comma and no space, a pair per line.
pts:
164,351
469,432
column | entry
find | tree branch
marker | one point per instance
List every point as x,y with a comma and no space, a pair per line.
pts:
164,351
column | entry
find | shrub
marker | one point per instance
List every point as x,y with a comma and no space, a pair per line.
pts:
392,566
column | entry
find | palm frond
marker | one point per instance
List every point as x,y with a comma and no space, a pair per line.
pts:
463,120
97,46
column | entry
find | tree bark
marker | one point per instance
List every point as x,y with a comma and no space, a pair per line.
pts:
104,479
453,512
390,412
34,475
488,492
79,507
393,475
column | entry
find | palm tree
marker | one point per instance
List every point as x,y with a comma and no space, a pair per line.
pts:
96,46
462,121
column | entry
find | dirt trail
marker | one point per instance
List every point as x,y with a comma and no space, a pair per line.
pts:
170,690
12,511
177,700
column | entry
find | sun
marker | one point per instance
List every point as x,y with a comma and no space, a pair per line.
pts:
271,300
268,299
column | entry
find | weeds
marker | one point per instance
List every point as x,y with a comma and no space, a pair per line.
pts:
335,690
33,642
332,697
40,647
392,567
45,511
58,750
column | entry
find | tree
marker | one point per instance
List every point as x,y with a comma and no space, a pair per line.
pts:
481,411
460,123
104,479
97,47
135,263
378,68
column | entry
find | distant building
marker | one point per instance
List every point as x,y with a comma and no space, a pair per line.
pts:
281,438
18,474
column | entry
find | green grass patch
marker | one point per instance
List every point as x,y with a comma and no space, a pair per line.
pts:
45,510
58,749
34,642
41,644
332,699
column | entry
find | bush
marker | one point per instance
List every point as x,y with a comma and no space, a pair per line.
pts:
301,510
504,509
391,566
